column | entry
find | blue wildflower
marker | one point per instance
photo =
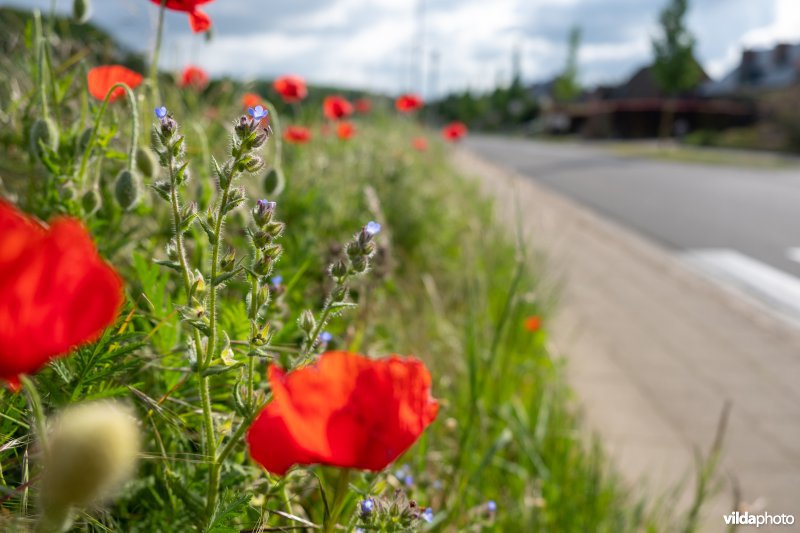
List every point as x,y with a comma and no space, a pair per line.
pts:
325,337
427,515
372,227
491,506
276,280
161,112
408,480
367,505
258,112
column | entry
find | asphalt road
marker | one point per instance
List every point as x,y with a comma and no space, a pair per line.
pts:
685,207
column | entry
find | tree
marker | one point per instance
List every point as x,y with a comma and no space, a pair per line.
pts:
566,87
675,69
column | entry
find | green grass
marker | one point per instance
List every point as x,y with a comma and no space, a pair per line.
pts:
704,156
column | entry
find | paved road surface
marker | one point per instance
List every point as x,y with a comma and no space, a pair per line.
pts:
742,226
654,349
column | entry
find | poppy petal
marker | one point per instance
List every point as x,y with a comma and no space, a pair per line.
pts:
199,21
101,79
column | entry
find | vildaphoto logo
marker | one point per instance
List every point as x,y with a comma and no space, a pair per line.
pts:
758,520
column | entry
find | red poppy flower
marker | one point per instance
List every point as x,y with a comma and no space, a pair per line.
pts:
251,100
420,144
194,77
363,105
56,292
346,410
408,103
291,88
101,79
345,130
533,324
455,131
297,135
336,107
199,21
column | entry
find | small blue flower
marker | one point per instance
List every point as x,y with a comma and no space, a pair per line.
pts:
491,506
367,505
161,112
276,280
325,337
408,480
437,484
258,112
372,227
427,515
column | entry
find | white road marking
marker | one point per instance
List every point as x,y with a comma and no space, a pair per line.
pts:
793,254
777,289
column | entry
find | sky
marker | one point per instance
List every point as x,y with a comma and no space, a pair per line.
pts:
384,45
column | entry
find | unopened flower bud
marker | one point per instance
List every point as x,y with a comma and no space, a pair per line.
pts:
339,294
168,128
43,132
263,211
127,189
83,140
145,161
338,269
92,451
274,229
307,322
81,11
273,182
360,263
228,260
67,191
90,201
199,283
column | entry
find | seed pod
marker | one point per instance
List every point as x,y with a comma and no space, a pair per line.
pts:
81,11
43,131
127,189
145,161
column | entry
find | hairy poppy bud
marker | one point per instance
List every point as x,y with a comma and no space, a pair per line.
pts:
83,140
273,182
127,189
145,161
90,201
43,132
92,450
81,11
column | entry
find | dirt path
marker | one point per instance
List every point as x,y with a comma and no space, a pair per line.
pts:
654,352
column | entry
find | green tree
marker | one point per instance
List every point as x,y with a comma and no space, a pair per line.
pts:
675,69
566,87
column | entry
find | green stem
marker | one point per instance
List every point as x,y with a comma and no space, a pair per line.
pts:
251,361
97,120
35,403
39,43
342,488
157,50
323,319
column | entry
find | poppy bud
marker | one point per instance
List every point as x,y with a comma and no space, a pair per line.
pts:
145,162
273,182
81,11
307,322
127,189
92,450
43,132
67,191
83,140
90,201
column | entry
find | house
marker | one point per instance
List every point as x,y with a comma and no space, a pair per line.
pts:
758,71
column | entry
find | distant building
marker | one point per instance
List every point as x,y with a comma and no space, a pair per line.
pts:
638,108
759,70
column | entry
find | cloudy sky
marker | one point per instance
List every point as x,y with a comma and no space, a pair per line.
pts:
371,43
